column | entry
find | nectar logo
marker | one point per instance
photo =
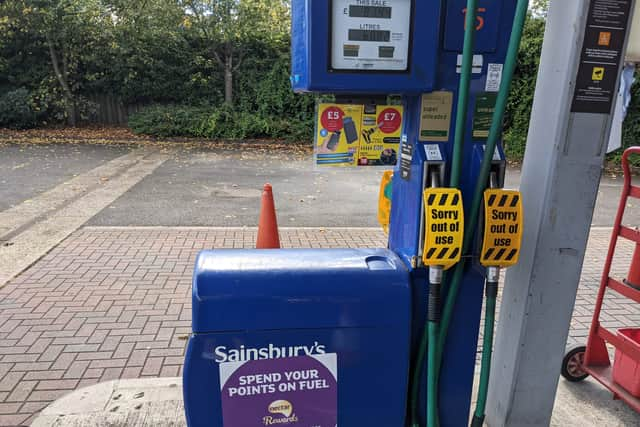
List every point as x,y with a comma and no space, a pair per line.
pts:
283,408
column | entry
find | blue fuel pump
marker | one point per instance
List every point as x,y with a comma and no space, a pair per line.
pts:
332,337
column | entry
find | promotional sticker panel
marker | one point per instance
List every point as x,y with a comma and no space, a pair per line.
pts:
357,135
338,134
300,391
380,138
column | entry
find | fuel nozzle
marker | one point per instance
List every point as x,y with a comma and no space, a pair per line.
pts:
435,287
435,273
493,278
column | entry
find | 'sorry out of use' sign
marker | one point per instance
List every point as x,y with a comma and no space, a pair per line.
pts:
444,227
502,228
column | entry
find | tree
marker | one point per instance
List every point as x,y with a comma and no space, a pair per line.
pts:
540,8
524,83
67,29
148,57
229,26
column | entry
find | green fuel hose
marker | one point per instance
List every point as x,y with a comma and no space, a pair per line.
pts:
433,326
430,336
432,386
494,134
417,371
463,92
487,348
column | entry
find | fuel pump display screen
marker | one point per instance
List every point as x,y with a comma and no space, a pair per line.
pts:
370,12
370,35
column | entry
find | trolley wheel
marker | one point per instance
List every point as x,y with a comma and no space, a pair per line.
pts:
572,363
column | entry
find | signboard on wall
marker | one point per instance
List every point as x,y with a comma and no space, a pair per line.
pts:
602,49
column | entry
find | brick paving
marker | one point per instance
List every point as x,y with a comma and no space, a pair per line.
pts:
618,312
115,303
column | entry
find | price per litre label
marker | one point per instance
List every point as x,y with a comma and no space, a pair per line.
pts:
502,228
444,220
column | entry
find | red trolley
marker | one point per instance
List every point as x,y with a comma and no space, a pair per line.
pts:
623,378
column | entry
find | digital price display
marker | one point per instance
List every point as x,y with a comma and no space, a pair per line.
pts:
370,35
383,12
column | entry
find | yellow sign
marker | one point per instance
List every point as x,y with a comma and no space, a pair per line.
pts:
384,201
338,134
435,116
502,228
380,137
598,74
444,227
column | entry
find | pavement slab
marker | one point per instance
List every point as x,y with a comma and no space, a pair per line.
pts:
158,402
115,303
153,402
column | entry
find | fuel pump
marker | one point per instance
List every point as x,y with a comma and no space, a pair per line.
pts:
323,337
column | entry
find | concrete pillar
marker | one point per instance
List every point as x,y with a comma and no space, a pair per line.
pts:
560,178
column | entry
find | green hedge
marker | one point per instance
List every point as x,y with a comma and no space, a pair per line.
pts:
223,122
17,110
631,127
166,121
516,125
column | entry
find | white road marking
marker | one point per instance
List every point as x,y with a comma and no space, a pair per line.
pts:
18,216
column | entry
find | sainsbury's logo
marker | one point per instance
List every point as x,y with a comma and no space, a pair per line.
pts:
243,354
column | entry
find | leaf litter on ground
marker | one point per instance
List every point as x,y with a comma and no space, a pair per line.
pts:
109,135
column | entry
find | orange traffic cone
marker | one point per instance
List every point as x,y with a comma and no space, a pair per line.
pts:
268,237
633,278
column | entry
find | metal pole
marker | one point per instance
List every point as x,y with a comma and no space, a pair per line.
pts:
560,179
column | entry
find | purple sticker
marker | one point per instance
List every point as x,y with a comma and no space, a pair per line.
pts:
294,391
